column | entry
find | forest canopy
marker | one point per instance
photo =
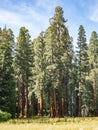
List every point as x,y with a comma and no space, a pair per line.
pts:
45,76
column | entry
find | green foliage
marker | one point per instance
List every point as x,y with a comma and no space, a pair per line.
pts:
23,69
93,65
7,83
83,69
4,116
48,70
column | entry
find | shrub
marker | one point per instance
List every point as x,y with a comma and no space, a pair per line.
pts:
4,116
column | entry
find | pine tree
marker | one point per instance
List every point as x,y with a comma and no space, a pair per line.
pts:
7,83
58,56
82,59
23,64
93,64
39,69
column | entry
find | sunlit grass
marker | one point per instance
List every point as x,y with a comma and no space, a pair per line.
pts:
51,124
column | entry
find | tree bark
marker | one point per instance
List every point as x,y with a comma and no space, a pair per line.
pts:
19,107
21,99
53,103
26,102
41,102
63,106
94,88
79,107
41,99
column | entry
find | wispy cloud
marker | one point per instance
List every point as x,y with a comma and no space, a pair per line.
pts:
48,5
93,11
93,15
8,17
30,20
28,15
35,14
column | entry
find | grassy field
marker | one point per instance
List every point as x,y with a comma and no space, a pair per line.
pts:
52,124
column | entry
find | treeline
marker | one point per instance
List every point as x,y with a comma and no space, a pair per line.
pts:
45,76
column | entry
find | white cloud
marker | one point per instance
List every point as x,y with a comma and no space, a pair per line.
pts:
94,12
8,17
25,16
48,5
94,15
34,17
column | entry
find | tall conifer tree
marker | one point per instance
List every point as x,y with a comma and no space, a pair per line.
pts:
82,61
23,62
7,84
93,64
58,56
39,69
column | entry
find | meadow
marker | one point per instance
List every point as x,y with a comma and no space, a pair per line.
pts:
89,123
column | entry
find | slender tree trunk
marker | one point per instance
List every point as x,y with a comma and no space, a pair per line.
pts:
63,106
26,102
53,103
79,98
21,98
79,107
33,105
94,88
19,107
59,108
23,101
41,102
54,95
41,99
38,106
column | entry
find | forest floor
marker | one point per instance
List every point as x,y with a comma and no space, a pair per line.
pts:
88,123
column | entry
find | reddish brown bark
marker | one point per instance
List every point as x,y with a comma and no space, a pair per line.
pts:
26,102
41,102
63,107
41,99
53,103
94,88
79,107
21,98
79,99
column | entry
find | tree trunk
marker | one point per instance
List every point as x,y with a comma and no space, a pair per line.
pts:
41,102
41,99
21,98
19,107
94,88
26,102
53,103
79,107
59,109
63,106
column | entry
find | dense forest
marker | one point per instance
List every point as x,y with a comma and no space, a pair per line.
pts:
46,77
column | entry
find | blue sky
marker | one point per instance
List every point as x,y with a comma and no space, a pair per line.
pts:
35,14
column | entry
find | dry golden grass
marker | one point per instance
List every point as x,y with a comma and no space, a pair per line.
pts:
53,124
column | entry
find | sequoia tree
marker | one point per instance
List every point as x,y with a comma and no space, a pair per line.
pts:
58,56
23,62
82,61
39,69
93,64
7,83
